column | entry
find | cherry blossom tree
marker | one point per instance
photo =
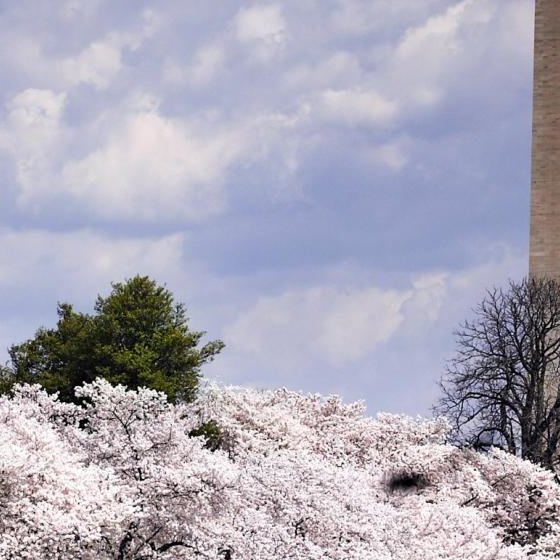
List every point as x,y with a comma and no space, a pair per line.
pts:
302,477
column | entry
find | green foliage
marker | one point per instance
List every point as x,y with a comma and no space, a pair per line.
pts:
212,433
138,336
6,379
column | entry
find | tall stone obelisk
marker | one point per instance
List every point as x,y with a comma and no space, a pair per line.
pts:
544,245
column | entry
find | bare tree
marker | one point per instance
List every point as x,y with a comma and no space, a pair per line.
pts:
503,386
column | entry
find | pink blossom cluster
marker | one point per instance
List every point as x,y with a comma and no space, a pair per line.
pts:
295,476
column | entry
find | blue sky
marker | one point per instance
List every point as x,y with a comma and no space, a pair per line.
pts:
329,186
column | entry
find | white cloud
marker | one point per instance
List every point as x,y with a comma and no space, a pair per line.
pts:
260,23
359,17
151,167
513,38
439,32
38,109
431,56
206,65
262,27
336,70
425,306
73,10
357,321
329,324
336,324
97,65
355,107
31,134
79,261
388,344
101,61
144,166
446,50
392,154
186,166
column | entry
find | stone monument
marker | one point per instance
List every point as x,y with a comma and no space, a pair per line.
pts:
544,244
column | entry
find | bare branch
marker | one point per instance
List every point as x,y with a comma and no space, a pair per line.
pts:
502,388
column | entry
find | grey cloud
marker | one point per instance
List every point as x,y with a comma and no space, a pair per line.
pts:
239,150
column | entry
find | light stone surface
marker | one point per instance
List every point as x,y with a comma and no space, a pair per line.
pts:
544,250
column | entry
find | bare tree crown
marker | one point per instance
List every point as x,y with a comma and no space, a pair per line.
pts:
502,387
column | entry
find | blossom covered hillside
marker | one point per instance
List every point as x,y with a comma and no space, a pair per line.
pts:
289,477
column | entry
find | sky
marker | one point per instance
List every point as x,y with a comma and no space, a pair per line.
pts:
329,186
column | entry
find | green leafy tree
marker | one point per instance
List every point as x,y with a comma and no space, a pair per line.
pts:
138,336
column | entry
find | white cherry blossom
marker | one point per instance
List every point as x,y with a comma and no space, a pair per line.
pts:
295,476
